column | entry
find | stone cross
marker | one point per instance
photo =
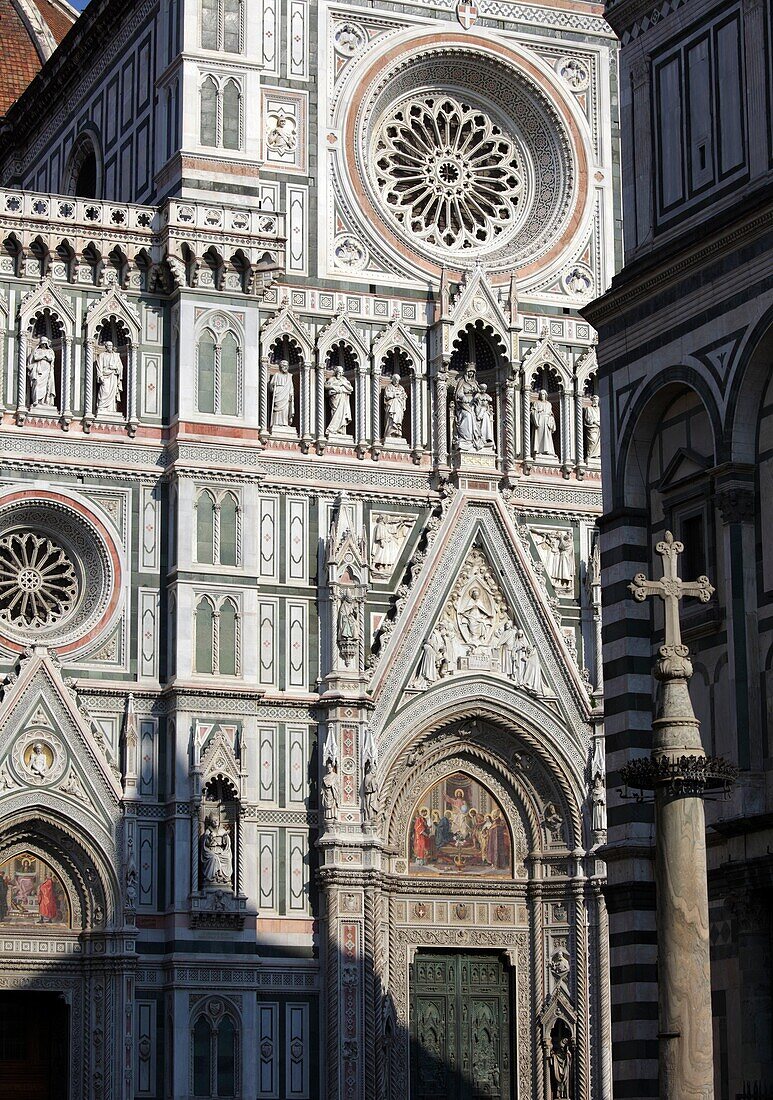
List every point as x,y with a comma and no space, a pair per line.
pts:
671,588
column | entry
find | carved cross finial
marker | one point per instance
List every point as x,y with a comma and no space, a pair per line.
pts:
671,588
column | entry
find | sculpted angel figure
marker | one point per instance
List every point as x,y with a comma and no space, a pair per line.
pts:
40,368
282,397
339,391
109,370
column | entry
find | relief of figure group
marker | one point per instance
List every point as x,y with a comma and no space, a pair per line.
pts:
477,632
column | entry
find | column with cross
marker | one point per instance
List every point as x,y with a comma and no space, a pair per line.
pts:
678,771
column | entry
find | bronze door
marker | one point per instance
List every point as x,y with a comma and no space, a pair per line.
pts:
33,1046
460,1027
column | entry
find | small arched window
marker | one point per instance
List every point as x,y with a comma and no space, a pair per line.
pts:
215,1057
231,115
221,25
227,640
229,518
218,374
205,529
209,112
206,373
210,18
229,375
205,641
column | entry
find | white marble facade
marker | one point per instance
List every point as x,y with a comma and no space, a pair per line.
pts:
283,563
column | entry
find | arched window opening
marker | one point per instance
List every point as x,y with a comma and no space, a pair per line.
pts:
209,24
214,1044
202,1057
205,529
205,644
226,1058
231,115
209,105
228,641
82,173
229,517
206,373
229,375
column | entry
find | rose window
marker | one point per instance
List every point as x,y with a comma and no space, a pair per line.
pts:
447,172
38,582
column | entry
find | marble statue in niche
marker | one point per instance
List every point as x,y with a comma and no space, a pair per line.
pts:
544,424
473,413
592,420
339,391
395,404
40,369
216,852
458,827
347,626
330,794
282,397
108,366
559,1060
371,793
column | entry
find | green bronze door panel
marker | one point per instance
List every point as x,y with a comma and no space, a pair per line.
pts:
460,1028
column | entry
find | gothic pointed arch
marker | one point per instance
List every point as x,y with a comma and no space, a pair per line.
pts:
545,355
341,331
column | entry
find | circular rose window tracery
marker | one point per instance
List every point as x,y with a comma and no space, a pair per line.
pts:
447,172
38,582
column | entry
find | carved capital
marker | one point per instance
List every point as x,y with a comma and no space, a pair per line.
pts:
673,663
735,505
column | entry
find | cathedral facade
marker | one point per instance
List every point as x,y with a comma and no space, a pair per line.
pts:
302,775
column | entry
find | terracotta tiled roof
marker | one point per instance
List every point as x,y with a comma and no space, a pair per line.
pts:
29,32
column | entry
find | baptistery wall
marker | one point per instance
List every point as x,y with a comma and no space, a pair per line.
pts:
299,580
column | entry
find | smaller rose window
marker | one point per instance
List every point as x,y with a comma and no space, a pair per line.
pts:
447,172
38,582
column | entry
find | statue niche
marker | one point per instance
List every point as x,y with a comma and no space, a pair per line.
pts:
284,387
339,391
44,363
218,816
111,353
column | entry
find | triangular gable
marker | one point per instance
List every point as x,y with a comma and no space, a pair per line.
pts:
478,301
585,366
486,527
685,464
46,296
114,304
286,323
546,354
39,699
397,335
341,329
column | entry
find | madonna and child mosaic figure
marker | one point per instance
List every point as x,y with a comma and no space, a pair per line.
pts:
459,828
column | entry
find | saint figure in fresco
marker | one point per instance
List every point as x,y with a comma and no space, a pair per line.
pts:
498,842
422,836
48,909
